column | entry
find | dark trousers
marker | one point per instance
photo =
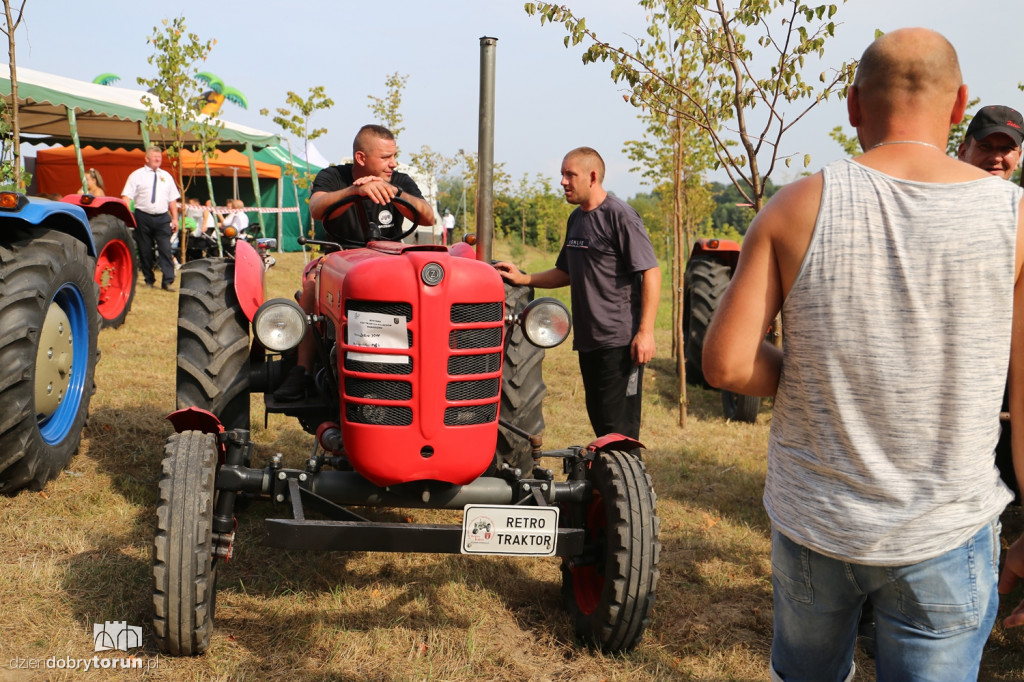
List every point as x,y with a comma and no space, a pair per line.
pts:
614,396
153,230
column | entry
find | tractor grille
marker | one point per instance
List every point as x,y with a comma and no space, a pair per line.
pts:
378,367
474,338
389,386
470,414
472,390
464,313
375,389
382,415
460,365
383,307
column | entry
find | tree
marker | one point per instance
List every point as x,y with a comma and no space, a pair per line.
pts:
9,28
294,117
176,53
386,109
694,71
723,94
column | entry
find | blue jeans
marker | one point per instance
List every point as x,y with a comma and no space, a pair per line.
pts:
932,618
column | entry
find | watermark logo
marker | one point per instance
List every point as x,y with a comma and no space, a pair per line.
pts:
116,635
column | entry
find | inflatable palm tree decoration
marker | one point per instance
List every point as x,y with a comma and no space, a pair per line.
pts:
211,100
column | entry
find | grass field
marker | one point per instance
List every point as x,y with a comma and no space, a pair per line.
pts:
79,552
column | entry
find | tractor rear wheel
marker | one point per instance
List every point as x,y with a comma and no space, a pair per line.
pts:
48,351
609,590
706,280
740,408
184,562
522,387
117,268
213,343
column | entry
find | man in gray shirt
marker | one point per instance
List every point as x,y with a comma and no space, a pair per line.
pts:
881,483
614,283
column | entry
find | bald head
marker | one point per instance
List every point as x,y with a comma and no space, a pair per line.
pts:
908,67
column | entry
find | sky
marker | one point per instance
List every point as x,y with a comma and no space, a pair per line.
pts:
547,100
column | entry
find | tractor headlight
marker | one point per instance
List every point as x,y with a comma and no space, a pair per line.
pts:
545,322
280,324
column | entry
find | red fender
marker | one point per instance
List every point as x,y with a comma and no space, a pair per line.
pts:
614,441
248,278
195,419
462,250
94,206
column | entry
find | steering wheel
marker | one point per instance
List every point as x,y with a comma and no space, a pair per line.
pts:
333,212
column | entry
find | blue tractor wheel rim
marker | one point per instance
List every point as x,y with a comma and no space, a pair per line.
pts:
56,425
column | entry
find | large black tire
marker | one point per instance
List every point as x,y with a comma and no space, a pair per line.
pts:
48,334
184,563
740,408
609,591
213,343
522,387
705,282
117,269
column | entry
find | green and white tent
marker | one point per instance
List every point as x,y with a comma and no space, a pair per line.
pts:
59,110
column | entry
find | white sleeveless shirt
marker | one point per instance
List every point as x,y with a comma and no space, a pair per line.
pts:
896,348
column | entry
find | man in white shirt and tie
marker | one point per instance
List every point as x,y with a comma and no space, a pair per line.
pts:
156,210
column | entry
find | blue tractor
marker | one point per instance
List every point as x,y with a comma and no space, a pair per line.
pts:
49,324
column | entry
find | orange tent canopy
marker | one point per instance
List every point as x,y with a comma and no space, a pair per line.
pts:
57,168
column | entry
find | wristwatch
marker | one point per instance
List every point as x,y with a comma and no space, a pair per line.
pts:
399,192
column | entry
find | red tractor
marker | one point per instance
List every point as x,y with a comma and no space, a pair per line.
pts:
427,395
708,271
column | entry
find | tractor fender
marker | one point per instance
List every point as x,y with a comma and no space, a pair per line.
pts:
462,250
195,419
249,274
723,250
55,215
94,206
614,441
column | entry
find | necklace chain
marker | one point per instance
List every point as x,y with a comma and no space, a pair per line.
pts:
920,142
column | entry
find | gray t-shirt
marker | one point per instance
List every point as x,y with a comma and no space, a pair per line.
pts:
897,340
605,252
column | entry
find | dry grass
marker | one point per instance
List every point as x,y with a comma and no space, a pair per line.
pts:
79,553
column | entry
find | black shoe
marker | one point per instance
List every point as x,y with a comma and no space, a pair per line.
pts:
150,284
167,286
293,387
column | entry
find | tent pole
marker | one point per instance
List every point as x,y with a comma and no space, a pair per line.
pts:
280,214
255,184
213,202
73,124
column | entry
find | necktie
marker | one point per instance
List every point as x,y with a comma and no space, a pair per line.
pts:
152,198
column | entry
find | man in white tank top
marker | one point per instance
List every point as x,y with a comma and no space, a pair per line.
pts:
881,482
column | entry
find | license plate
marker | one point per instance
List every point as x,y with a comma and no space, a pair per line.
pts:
509,530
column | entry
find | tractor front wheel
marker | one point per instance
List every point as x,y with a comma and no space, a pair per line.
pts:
522,387
213,343
184,562
116,269
48,351
610,588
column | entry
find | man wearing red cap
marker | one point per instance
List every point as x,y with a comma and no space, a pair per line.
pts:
993,140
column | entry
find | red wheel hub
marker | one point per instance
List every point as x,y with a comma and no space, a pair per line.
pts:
588,581
114,274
